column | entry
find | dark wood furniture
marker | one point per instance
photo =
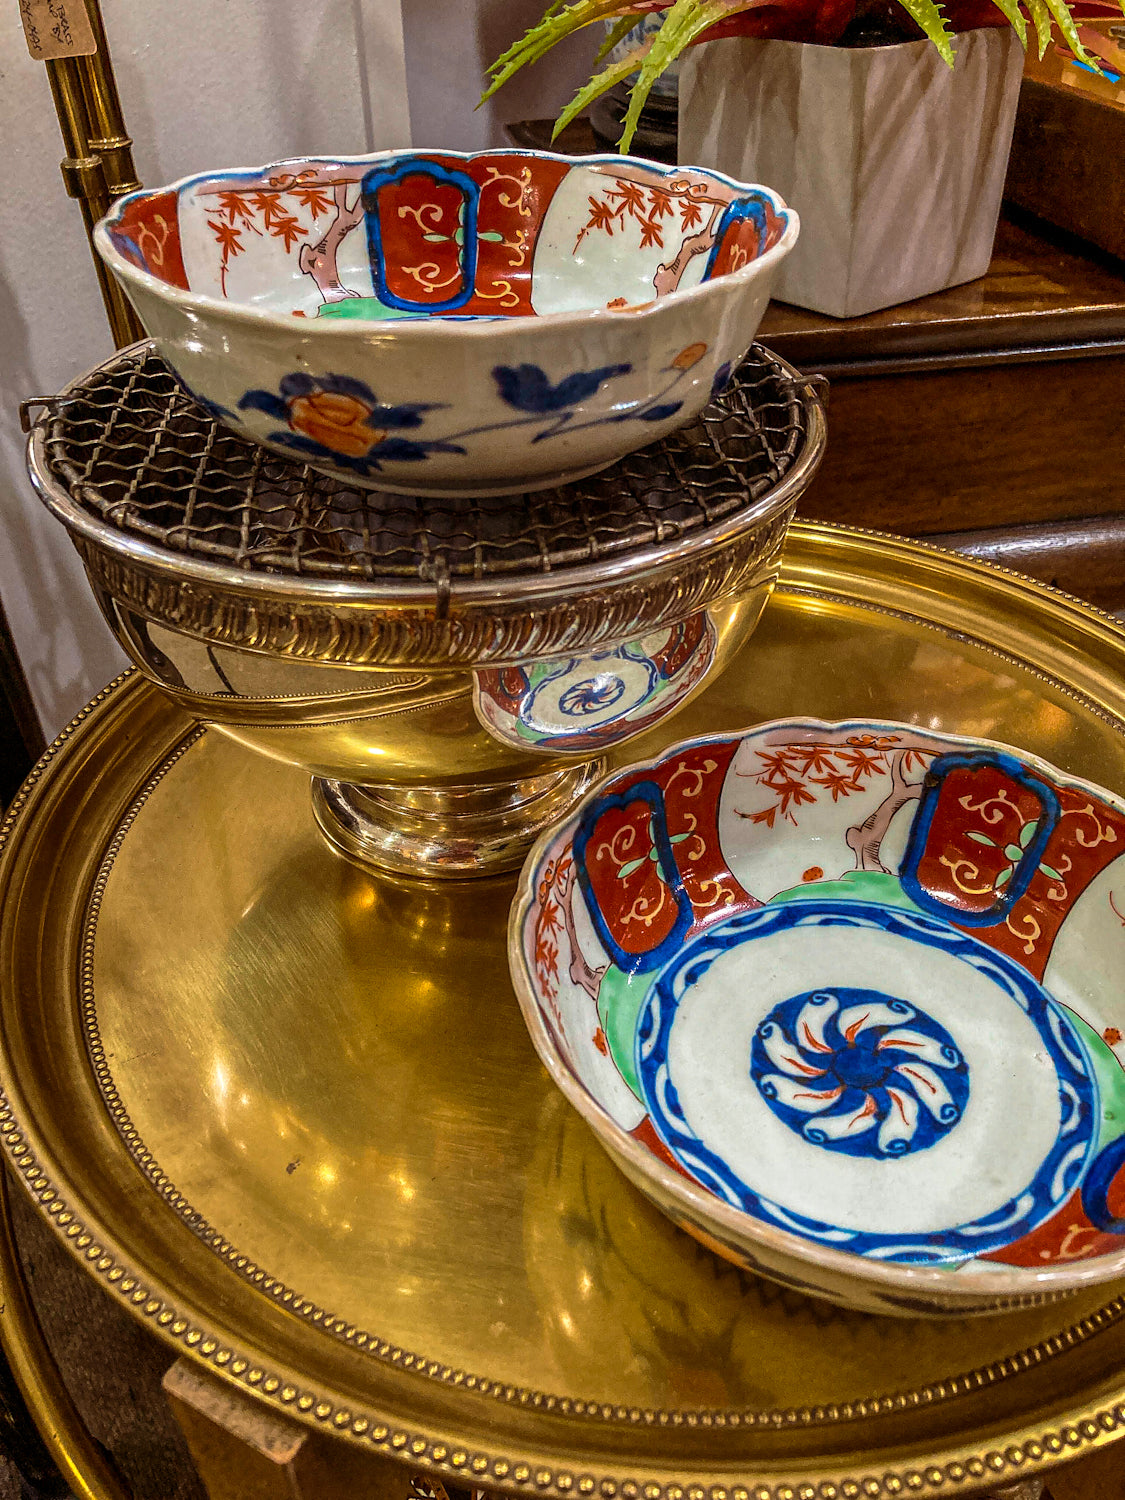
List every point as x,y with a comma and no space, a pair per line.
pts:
21,739
990,417
1069,141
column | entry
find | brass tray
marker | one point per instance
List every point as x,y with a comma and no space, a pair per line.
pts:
291,1117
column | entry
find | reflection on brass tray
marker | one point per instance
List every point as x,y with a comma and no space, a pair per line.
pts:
616,1240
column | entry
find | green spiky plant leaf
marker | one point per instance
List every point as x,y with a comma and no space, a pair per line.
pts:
617,33
559,22
927,14
1041,17
1014,16
1065,21
684,23
601,83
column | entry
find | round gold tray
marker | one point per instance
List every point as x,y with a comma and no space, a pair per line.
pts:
291,1116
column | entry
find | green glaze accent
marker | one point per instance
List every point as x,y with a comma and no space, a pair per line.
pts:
619,1004
856,885
1109,1077
365,307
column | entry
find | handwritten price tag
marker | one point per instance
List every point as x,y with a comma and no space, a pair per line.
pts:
57,28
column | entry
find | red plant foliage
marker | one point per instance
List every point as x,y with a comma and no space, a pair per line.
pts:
826,21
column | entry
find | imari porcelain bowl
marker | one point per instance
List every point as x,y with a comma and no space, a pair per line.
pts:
847,1001
441,323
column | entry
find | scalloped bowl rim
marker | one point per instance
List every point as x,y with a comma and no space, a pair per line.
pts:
437,325
953,1284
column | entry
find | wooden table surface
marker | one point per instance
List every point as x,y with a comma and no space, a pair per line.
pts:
1045,296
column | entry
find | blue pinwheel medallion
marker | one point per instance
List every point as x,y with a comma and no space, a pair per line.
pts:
862,1103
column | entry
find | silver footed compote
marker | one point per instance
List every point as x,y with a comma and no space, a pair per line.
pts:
449,671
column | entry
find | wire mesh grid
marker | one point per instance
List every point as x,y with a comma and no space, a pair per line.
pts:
129,446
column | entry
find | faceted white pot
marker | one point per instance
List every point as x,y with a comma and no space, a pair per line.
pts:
894,161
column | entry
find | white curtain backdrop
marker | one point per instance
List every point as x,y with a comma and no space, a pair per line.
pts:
209,84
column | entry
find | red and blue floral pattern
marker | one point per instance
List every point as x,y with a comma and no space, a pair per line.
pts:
905,1091
323,305
590,702
340,418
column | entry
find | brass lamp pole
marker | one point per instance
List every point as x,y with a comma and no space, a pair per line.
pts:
98,165
97,168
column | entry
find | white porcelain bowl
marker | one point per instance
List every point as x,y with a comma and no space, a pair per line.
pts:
442,323
847,1002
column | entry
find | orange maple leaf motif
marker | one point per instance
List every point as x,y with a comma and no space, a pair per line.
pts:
546,951
315,199
793,794
647,206
286,228
788,772
268,203
690,213
651,234
817,758
602,216
660,203
864,762
631,196
227,236
552,888
234,206
546,962
839,783
777,763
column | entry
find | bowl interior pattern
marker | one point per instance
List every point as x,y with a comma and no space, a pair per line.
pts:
859,981
409,235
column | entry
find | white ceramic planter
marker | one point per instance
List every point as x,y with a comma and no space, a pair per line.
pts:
894,161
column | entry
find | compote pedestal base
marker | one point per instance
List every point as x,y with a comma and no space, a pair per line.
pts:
437,833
